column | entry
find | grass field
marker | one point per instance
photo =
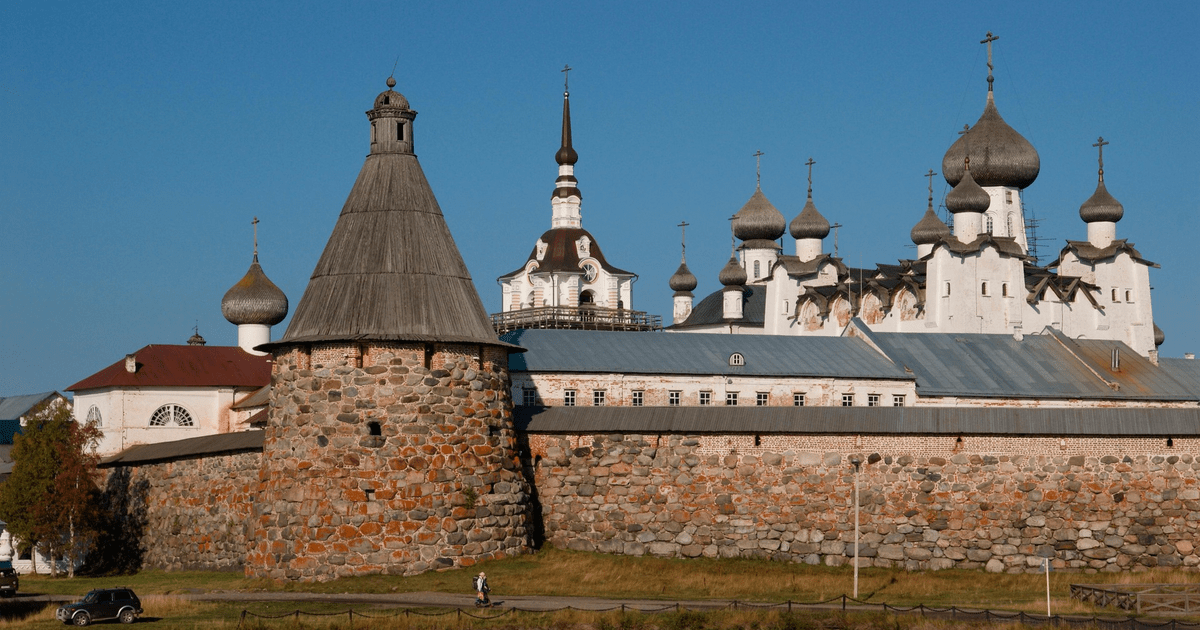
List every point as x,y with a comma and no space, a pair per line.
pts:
554,572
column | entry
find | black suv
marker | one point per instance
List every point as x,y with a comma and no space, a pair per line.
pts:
102,603
8,580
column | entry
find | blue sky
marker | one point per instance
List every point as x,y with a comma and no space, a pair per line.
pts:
138,139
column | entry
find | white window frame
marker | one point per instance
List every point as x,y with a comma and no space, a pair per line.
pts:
568,398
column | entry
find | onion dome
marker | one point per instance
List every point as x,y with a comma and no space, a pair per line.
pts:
809,223
967,195
1159,336
254,300
196,339
1101,206
390,99
758,220
566,153
732,274
683,280
1002,156
929,229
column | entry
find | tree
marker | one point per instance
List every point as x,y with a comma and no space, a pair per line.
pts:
49,501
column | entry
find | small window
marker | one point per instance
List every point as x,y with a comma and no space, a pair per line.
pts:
373,428
638,399
673,398
737,359
529,397
731,399
757,270
1004,289
171,414
761,399
1128,295
946,290
569,398
983,288
758,440
785,308
598,398
798,400
897,400
872,400
847,400
1008,196
400,131
989,224
1008,225
705,398
94,416
1114,295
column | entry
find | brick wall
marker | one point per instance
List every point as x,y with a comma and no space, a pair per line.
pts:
387,458
927,502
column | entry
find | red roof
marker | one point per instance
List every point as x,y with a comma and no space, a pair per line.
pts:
185,366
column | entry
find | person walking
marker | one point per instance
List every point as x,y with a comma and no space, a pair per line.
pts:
482,590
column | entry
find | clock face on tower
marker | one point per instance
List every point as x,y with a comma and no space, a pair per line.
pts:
589,272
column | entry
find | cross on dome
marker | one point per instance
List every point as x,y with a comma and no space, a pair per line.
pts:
758,168
566,76
1100,142
988,40
809,164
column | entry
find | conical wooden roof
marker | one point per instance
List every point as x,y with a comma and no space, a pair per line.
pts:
391,270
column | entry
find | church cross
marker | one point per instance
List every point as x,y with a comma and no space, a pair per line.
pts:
255,224
758,168
930,175
732,238
1100,142
683,238
988,40
566,75
835,227
809,164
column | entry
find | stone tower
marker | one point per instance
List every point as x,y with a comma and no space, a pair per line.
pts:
390,445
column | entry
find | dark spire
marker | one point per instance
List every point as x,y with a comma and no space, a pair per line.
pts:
566,154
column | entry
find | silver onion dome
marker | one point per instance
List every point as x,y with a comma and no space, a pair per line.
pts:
1001,156
254,300
929,229
683,279
809,223
732,274
758,220
967,195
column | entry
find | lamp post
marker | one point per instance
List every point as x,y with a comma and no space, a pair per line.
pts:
857,463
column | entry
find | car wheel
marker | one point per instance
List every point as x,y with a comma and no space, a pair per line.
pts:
127,616
81,619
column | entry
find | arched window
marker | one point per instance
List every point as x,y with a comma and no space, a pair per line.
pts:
757,270
989,224
587,297
171,414
737,359
1008,225
94,416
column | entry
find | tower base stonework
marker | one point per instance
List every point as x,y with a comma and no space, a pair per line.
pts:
387,457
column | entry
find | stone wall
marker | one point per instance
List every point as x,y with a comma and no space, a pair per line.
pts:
188,514
388,458
927,502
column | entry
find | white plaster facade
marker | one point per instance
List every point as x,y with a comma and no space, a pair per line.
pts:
125,414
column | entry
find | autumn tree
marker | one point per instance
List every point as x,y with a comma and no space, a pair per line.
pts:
49,501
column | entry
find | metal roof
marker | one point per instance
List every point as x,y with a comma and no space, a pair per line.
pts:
1128,421
184,366
1185,371
1037,366
13,407
711,310
562,254
668,353
207,445
257,398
